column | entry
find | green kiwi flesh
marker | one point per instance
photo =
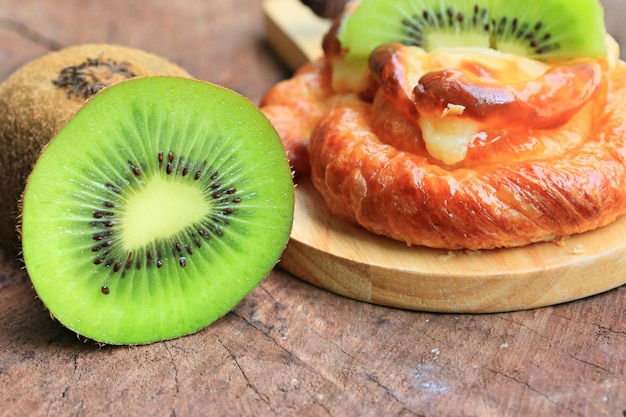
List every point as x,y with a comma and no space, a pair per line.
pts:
540,29
159,206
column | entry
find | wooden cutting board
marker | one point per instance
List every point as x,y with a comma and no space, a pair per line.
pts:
352,262
294,31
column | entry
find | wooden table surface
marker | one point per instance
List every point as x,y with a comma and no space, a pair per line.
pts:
289,349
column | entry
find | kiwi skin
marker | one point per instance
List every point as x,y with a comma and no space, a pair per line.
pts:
33,108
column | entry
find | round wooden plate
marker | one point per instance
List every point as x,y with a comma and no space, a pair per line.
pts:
352,262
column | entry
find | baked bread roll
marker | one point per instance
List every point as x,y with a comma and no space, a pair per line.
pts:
459,148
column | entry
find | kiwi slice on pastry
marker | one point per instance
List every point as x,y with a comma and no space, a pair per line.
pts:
535,29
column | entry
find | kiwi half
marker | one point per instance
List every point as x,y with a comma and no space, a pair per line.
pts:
39,97
540,29
155,210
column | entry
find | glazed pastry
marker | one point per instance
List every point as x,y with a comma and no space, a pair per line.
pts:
460,148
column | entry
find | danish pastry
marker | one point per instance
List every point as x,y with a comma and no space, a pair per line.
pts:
460,148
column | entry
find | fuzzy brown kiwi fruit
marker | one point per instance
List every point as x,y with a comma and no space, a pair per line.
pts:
39,98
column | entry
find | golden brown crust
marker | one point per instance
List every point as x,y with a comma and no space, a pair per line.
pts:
401,195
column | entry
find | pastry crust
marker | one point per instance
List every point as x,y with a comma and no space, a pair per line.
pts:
544,157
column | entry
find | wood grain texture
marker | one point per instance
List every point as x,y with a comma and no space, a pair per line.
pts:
289,348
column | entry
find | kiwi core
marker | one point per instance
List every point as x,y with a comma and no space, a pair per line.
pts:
161,210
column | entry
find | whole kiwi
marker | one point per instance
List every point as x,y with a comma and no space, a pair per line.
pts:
40,97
